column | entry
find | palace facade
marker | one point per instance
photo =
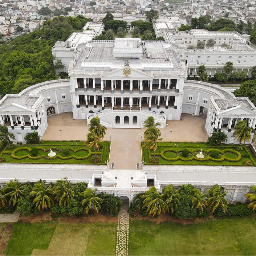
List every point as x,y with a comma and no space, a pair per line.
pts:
123,82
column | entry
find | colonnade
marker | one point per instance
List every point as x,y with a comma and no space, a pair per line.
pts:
18,120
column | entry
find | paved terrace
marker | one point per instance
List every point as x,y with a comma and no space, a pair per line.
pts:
125,148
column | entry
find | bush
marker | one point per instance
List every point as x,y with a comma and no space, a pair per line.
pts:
185,152
65,151
238,209
32,138
34,152
217,138
214,154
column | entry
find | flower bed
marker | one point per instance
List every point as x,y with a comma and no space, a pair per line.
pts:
78,153
171,154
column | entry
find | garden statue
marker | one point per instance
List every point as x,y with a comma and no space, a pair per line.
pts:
51,154
200,155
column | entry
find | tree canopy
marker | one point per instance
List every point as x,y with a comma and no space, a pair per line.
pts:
28,59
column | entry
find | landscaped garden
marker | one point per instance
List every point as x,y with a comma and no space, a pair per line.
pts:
168,153
67,152
224,236
62,238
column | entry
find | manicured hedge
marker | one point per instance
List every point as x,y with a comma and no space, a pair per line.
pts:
238,209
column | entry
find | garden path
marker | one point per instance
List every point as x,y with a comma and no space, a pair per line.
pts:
122,233
10,217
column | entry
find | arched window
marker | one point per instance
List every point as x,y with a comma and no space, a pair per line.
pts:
117,119
126,119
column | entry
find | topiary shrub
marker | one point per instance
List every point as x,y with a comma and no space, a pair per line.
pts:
32,138
214,154
185,152
65,151
34,152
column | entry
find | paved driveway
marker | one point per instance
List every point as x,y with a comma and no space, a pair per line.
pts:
125,148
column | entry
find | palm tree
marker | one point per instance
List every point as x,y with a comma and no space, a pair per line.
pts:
171,198
2,200
150,122
198,200
91,201
252,198
151,136
93,141
154,202
216,198
97,128
42,196
242,132
228,68
12,192
5,135
63,191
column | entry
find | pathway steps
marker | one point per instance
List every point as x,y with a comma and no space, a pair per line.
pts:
122,234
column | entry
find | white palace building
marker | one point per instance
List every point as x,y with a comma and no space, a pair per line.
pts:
124,82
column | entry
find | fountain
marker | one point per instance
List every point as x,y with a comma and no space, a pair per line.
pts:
200,155
51,154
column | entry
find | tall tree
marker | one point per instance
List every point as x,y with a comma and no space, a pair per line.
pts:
43,196
13,191
216,198
171,198
253,72
242,132
5,135
97,128
228,68
64,192
151,136
109,16
153,202
252,198
91,201
150,122
152,15
202,73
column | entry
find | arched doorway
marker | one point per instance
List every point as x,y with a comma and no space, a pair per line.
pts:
126,119
50,111
117,119
126,202
201,111
135,120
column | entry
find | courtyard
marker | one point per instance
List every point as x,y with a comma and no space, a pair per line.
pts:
126,143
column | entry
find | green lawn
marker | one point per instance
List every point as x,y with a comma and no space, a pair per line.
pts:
170,153
78,153
60,238
224,236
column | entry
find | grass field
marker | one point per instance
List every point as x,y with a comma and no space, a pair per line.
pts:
169,153
227,236
60,238
78,153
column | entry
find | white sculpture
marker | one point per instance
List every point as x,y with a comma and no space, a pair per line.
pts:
200,155
51,154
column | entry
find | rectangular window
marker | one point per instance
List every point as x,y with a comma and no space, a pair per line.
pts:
205,101
48,99
190,97
63,96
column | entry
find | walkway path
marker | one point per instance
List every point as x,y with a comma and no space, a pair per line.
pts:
122,234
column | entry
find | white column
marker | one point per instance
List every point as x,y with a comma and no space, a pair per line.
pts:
230,123
86,100
102,103
113,103
220,124
102,85
131,85
216,122
94,101
149,104
140,102
130,102
122,102
159,86
93,84
141,85
85,84
112,85
31,121
150,85
169,83
158,101
122,85
11,120
167,98
1,120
